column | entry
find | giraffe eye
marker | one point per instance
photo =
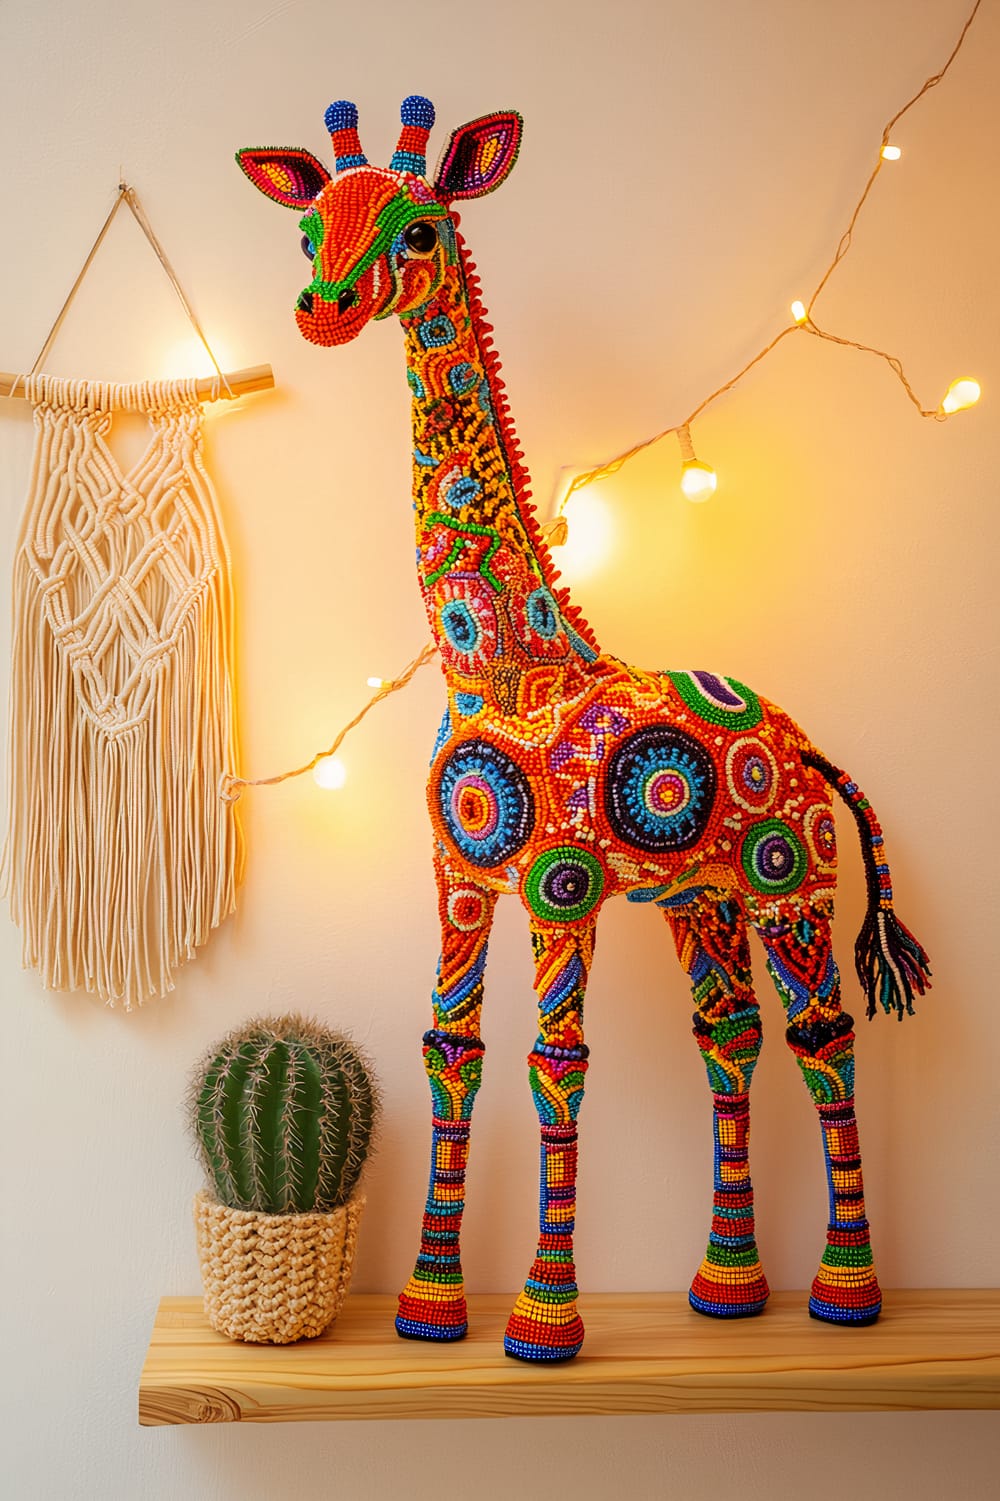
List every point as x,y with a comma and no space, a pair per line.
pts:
421,237
308,248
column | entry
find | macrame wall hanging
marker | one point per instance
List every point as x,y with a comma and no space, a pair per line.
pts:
121,856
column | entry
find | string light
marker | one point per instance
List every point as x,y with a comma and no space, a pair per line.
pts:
961,394
802,313
698,480
330,773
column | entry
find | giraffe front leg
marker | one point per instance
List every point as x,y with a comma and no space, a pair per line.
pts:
545,1324
821,1035
712,946
432,1304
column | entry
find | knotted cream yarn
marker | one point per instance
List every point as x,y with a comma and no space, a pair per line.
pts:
120,855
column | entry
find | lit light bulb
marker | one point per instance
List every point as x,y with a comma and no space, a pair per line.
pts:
891,153
375,682
698,480
330,773
799,312
962,393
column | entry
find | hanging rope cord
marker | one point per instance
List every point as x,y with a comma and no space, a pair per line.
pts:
129,196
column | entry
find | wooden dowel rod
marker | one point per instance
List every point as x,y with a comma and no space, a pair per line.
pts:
241,382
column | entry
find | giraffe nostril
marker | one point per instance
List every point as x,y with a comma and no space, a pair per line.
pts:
305,303
346,299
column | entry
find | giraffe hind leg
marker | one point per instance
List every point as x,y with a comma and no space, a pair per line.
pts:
711,940
821,1036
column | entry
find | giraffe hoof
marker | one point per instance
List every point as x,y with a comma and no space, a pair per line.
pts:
415,1329
423,1316
845,1294
539,1330
863,1307
727,1290
855,1318
549,1354
716,1310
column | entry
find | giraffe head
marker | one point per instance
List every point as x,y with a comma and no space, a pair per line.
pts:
379,238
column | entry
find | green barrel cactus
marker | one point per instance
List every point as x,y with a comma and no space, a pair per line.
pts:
283,1111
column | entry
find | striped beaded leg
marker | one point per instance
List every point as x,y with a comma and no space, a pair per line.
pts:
711,941
544,1324
432,1304
821,1035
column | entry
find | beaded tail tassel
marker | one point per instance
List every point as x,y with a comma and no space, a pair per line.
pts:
712,946
821,1035
545,1325
432,1304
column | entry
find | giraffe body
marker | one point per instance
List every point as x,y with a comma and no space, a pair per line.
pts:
563,776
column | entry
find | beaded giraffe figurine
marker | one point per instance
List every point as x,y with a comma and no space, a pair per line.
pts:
563,776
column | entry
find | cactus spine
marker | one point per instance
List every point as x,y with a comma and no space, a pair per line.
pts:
283,1111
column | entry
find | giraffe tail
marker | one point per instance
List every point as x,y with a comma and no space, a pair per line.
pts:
890,962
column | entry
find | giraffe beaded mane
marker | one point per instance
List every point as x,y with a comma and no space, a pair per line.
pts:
564,776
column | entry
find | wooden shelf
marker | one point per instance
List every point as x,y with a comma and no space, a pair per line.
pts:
644,1353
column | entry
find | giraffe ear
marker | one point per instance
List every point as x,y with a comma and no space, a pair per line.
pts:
479,156
290,177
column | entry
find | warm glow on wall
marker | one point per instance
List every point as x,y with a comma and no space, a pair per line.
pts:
590,536
186,358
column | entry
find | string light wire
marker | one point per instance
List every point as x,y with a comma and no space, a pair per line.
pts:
232,787
613,465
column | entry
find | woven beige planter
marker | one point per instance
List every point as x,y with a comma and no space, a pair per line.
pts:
274,1278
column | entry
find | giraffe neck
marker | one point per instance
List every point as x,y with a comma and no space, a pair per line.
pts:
504,628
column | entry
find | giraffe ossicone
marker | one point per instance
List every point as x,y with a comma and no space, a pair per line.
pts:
563,776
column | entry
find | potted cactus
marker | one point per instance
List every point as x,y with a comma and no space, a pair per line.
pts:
282,1111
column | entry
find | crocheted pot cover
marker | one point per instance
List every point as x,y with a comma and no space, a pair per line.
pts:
270,1279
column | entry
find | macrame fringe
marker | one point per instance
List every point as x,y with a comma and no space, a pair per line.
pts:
121,856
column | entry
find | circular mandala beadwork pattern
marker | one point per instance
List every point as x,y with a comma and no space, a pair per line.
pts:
821,836
774,858
486,803
564,884
721,701
751,774
467,908
660,789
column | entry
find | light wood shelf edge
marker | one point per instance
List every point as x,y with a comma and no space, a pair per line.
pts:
644,1353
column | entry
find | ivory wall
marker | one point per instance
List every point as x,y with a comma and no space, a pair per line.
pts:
686,171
